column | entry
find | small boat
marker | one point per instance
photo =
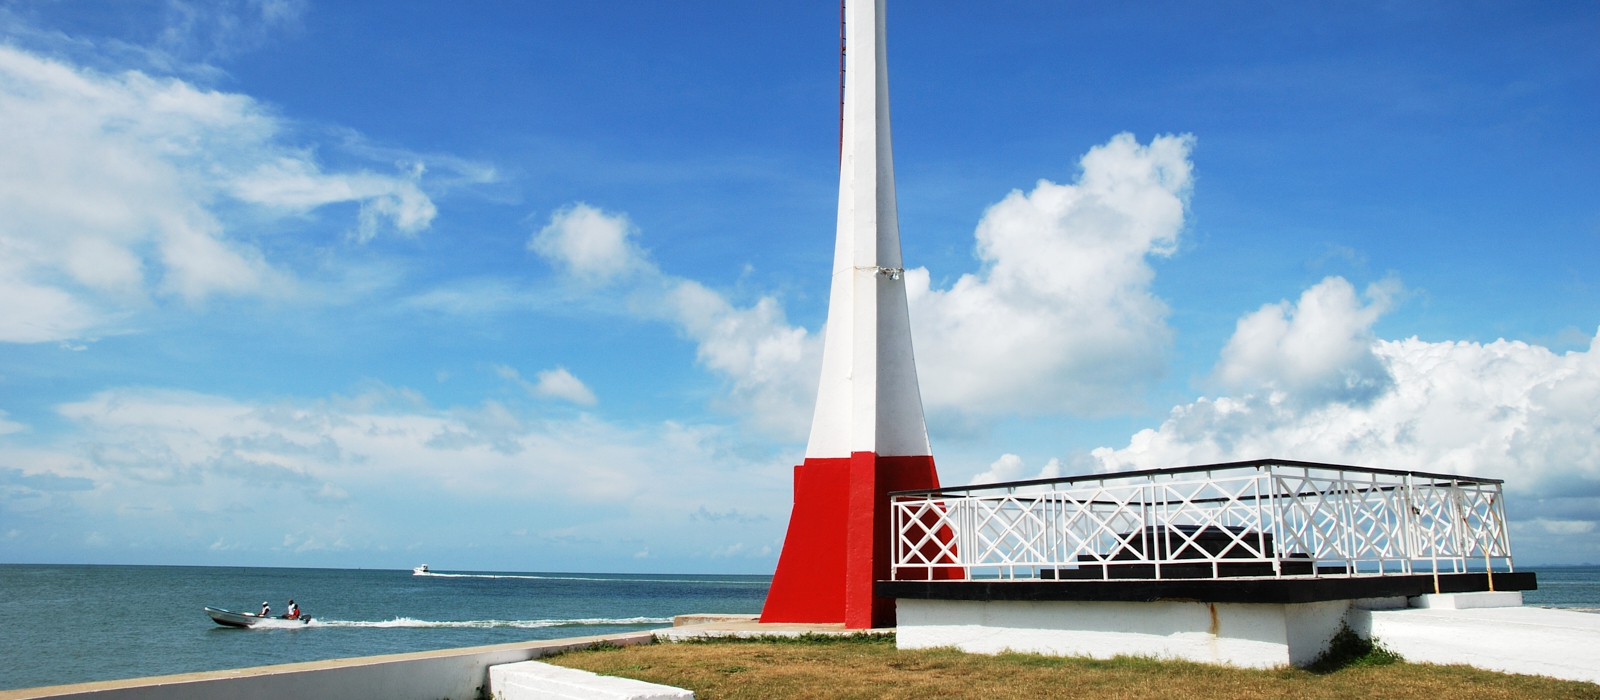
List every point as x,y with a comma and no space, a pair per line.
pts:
420,571
229,618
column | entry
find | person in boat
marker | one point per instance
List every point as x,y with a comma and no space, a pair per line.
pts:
266,610
294,611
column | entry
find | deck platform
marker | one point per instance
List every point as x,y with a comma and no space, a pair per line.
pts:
1536,641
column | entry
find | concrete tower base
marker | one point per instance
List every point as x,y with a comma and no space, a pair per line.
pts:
838,540
1249,635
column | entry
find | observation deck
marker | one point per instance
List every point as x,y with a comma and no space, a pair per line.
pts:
1264,531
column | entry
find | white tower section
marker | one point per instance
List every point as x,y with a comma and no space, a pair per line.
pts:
868,400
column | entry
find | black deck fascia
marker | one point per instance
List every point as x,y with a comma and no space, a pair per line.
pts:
1226,590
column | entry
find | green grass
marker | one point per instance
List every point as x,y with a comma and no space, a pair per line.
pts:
865,666
1348,649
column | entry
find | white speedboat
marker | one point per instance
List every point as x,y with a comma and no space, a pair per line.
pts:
229,618
421,571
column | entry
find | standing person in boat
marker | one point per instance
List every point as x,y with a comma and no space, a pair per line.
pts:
266,610
294,611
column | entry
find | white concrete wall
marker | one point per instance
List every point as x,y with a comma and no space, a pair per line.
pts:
532,680
456,674
1467,601
1247,635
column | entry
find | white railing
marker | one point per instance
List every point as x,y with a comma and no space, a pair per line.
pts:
1272,518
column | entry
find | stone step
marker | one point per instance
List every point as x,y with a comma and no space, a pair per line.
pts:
534,680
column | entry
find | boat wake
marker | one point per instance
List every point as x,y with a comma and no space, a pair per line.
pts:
406,622
531,577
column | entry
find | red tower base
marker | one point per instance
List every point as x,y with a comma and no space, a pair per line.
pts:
838,540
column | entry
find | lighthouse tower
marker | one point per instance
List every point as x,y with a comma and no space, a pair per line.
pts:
868,436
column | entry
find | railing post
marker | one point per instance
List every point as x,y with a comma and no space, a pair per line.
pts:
1501,532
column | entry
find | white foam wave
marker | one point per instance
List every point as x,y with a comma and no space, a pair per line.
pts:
280,624
486,624
436,574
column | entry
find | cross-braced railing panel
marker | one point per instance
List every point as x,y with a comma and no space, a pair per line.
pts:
1267,518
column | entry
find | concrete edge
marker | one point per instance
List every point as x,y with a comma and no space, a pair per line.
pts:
752,630
550,680
536,649
707,618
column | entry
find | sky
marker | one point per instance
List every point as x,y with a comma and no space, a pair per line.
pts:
540,286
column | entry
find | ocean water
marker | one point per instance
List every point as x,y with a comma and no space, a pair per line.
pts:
1572,587
72,624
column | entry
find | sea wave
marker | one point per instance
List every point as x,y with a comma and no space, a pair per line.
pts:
406,622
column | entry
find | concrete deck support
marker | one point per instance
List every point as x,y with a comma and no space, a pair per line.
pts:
533,680
1467,601
1485,629
456,674
1249,635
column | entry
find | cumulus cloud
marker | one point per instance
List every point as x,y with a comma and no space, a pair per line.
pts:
590,245
1061,317
1312,383
1319,387
1011,468
1317,350
121,189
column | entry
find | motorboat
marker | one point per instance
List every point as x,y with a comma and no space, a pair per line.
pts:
229,618
421,571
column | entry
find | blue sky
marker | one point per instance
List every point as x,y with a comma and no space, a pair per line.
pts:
538,286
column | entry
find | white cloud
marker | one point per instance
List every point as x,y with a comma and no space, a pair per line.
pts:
727,551
590,244
122,189
7,426
1504,409
1320,349
771,367
1011,468
376,469
1061,318
1315,384
296,185
1565,527
558,383
555,383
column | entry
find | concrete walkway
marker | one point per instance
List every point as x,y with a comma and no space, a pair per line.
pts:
1537,641
691,626
423,675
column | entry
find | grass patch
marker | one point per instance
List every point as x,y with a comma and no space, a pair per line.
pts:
866,666
1348,649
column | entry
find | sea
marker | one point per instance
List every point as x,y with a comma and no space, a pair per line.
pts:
73,624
